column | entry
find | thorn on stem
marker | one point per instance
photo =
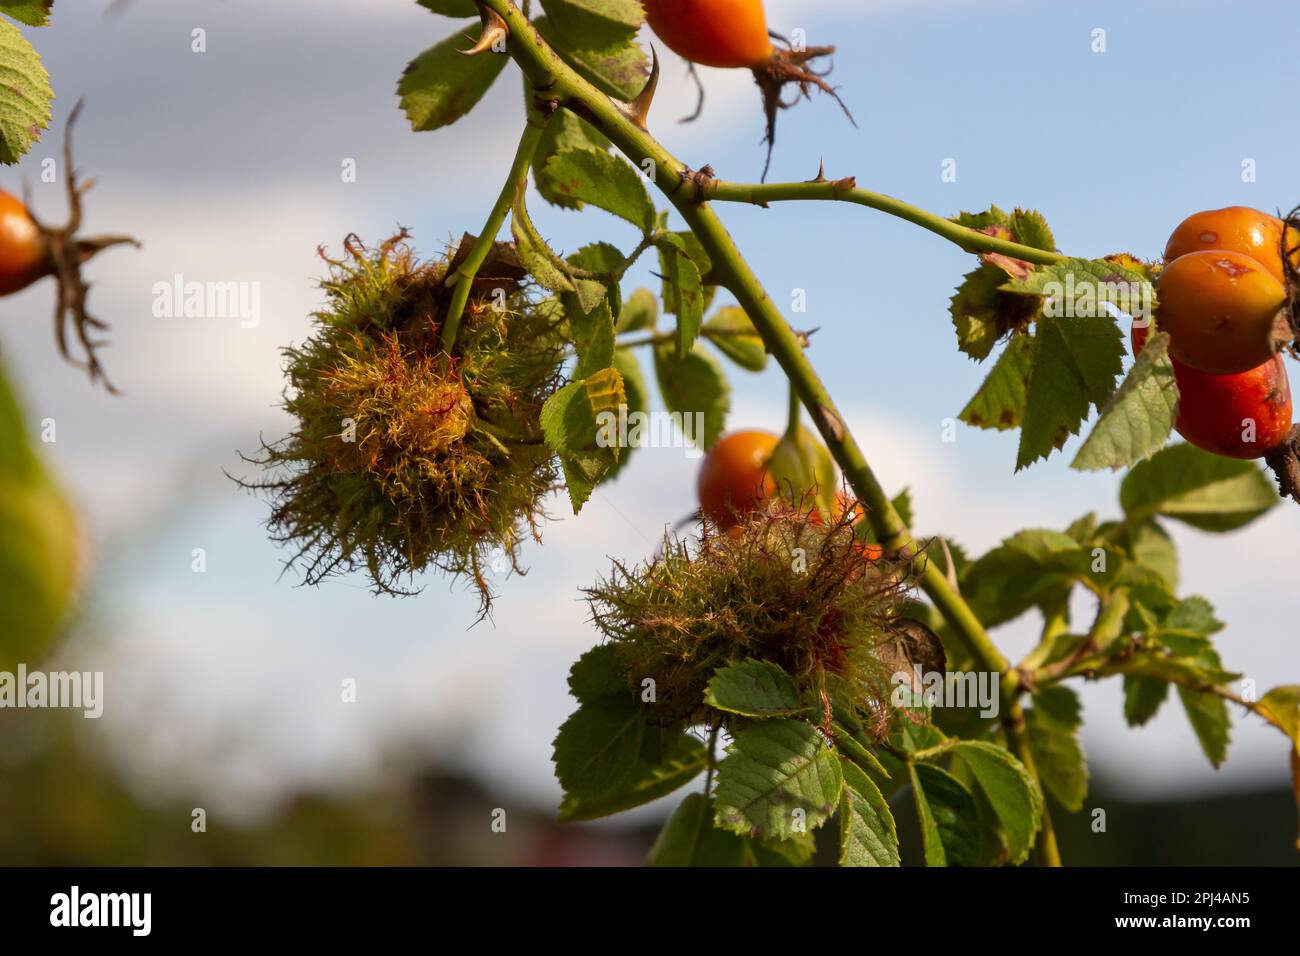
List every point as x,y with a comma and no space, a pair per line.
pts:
494,35
638,110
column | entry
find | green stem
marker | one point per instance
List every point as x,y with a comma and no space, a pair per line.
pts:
478,253
792,417
846,190
559,85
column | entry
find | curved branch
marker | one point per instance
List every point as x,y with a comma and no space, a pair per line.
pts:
558,85
847,190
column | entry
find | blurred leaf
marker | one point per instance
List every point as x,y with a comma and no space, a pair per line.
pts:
733,334
34,13
695,384
1053,725
1208,714
640,311
38,544
1206,491
1028,569
801,465
689,838
1143,697
1281,707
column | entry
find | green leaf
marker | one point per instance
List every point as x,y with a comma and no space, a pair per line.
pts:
868,836
668,760
1139,417
39,544
799,850
779,779
1029,228
1184,671
598,746
603,259
25,95
640,311
733,334
1052,726
579,423
1143,697
695,384
441,85
674,244
1076,363
1000,402
1086,287
34,13
542,262
570,416
689,838
1151,547
682,275
754,688
595,23
597,673
1281,708
563,131
1197,488
605,181
1010,791
950,829
638,398
1208,714
592,330
617,66
982,313
1028,569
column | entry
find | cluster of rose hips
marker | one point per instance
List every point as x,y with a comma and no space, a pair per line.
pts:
1224,300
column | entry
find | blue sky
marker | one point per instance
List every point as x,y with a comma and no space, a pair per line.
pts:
227,165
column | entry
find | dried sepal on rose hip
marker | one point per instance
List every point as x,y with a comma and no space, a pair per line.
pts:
783,585
733,34
1290,256
405,458
31,250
